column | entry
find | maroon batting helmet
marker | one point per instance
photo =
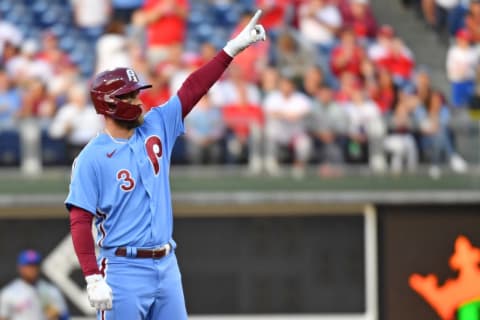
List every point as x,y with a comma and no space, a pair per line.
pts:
109,85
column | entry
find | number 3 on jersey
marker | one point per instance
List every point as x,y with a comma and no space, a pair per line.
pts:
128,183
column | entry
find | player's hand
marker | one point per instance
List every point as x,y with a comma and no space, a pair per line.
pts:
99,292
252,33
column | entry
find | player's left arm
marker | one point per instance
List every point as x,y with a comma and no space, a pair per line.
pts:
200,81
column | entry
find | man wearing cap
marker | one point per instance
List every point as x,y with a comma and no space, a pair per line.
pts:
28,297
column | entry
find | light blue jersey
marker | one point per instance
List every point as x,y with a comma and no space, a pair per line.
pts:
125,182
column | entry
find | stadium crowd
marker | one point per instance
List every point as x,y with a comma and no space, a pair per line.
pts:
331,87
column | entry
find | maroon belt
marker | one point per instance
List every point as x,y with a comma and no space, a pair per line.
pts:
156,253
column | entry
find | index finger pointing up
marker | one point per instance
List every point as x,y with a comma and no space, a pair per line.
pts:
255,18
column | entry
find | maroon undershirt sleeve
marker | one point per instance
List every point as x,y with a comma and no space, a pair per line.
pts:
81,229
201,80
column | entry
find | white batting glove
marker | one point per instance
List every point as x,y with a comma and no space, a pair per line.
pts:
252,33
99,292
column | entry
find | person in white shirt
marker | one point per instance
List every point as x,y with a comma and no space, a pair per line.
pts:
462,61
112,48
366,127
29,297
76,121
319,22
286,110
91,16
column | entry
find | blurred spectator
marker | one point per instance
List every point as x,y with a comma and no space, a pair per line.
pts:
357,15
369,76
10,100
446,24
207,52
462,61
423,84
285,112
64,77
9,33
292,56
347,84
36,103
252,61
366,130
474,103
436,138
319,22
398,60
76,122
313,79
274,15
401,126
472,21
235,89
111,48
176,67
123,9
385,92
51,53
242,114
328,125
91,17
166,25
429,12
160,92
268,81
380,46
9,52
204,131
29,296
348,55
137,55
27,65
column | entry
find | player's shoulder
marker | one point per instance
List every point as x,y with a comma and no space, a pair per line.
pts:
161,110
93,148
15,286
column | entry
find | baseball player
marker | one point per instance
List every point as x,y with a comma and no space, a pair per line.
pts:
29,297
121,178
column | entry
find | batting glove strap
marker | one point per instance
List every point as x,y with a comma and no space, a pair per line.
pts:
99,292
252,33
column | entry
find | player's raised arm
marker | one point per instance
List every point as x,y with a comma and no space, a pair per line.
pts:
200,81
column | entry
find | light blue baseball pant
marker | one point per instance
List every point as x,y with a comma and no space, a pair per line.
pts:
144,288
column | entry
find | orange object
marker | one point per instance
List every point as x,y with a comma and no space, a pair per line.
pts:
446,299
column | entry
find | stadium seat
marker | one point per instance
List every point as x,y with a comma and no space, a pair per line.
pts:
53,150
10,153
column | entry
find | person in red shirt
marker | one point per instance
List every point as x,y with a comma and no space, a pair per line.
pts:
348,55
385,93
274,13
399,61
166,25
357,14
161,94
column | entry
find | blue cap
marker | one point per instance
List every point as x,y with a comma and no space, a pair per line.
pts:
29,257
